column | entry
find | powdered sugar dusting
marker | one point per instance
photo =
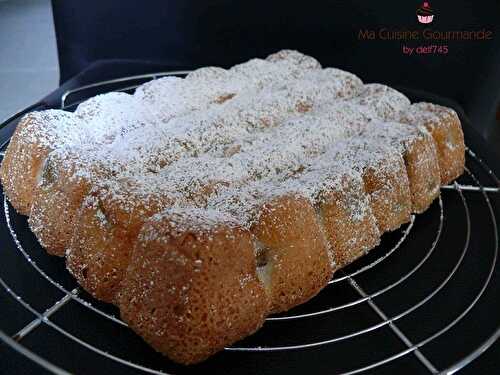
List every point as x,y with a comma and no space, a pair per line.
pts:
213,147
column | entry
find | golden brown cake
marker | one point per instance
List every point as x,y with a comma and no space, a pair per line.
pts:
199,206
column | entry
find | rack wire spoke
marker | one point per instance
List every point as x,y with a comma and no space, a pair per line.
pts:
42,362
45,320
23,332
397,331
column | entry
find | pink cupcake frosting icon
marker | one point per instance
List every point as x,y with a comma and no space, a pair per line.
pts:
424,13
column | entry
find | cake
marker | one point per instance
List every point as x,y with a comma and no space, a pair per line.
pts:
199,206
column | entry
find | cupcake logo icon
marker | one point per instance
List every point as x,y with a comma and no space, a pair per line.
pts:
424,13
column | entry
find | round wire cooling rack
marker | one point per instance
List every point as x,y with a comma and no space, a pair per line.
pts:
398,309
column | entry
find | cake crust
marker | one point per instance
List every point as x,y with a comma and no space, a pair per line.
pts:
174,275
295,262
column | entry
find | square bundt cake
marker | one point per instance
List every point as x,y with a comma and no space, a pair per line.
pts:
201,205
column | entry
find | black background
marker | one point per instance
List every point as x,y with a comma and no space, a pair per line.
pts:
186,34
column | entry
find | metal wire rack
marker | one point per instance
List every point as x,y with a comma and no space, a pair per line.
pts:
433,255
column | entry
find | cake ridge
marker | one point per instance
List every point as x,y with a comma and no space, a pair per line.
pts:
190,171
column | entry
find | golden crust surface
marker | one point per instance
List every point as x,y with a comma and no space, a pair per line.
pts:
21,165
54,210
422,166
105,234
444,126
389,192
174,276
348,221
294,257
